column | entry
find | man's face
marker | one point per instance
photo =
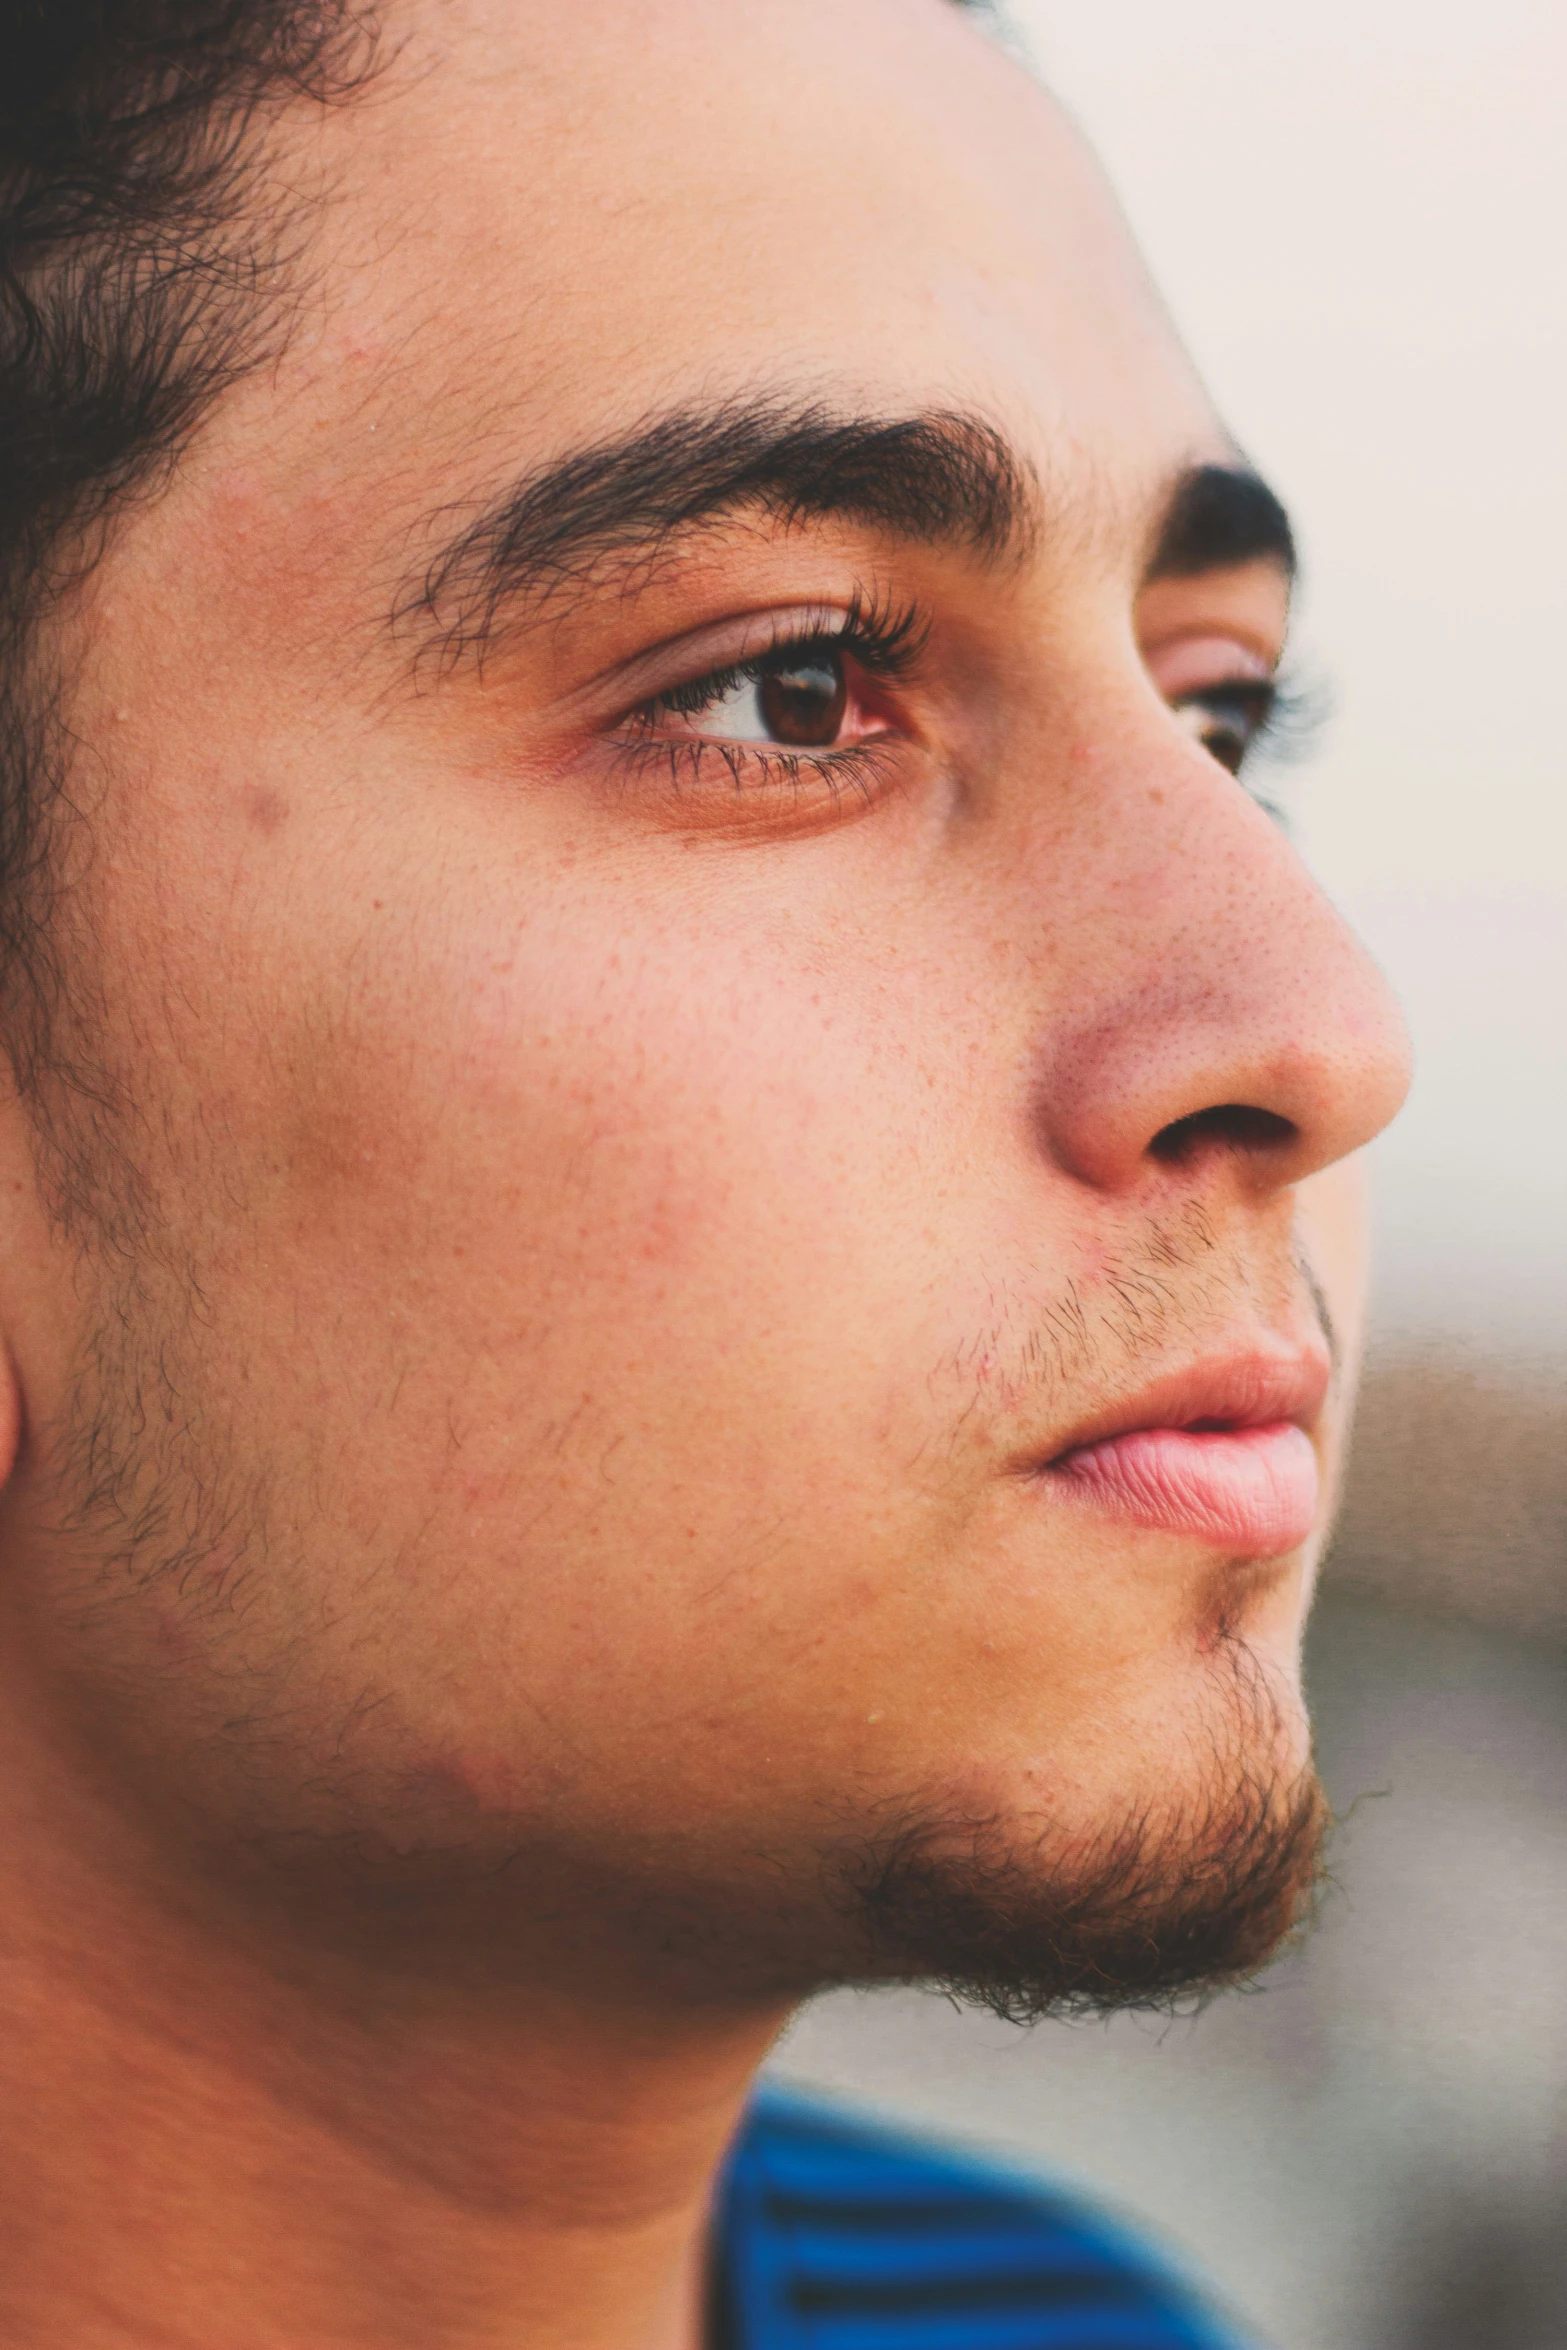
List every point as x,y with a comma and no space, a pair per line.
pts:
662,1046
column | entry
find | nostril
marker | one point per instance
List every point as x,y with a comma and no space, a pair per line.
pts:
1234,1126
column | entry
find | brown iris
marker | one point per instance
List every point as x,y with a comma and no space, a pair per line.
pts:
1227,719
802,700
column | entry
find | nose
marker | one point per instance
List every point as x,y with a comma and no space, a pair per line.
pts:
1218,1004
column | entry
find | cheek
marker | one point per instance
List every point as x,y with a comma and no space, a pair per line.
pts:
647,1202
632,1191
645,1103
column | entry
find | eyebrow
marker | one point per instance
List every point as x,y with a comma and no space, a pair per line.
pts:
1218,517
942,476
939,477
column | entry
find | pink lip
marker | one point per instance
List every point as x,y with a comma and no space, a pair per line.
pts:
1252,1490
1219,1452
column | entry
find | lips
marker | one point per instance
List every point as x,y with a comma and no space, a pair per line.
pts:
1219,1453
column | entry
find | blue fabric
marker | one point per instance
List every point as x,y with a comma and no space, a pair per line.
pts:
835,2234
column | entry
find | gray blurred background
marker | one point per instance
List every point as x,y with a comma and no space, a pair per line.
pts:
1357,213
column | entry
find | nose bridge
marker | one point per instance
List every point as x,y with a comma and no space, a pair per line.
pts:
1210,995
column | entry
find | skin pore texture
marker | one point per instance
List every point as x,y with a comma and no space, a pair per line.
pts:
554,1297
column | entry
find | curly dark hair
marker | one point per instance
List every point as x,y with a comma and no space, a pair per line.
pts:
138,277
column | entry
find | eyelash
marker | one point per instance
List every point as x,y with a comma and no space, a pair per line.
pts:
1286,718
885,641
1298,710
1281,712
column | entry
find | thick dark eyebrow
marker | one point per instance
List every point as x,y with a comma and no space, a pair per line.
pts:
1220,516
942,476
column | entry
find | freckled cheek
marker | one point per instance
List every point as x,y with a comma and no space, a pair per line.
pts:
652,1105
637,1198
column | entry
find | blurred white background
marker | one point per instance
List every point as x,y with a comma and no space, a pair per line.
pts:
1357,212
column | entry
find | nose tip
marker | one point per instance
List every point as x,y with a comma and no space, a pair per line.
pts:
1276,1044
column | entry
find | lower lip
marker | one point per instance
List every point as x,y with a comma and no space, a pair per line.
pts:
1249,1490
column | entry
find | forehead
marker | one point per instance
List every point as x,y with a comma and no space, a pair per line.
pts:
548,220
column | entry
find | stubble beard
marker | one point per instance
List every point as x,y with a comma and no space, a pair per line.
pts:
1172,1899
1171,1902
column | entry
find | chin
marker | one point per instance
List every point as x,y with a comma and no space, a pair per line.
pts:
1184,1874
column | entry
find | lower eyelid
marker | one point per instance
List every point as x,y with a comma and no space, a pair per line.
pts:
708,766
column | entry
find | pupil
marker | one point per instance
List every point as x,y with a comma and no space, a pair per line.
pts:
803,701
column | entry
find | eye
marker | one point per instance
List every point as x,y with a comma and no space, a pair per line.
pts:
1227,719
796,699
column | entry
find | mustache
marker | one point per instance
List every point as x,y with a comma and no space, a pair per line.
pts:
1179,1291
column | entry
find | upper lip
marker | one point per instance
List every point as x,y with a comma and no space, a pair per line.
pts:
1247,1388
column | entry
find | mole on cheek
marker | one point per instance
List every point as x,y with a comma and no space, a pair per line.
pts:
266,809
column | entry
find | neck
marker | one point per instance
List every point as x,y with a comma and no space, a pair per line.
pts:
220,2138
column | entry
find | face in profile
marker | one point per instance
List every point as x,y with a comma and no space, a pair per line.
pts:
681,1287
